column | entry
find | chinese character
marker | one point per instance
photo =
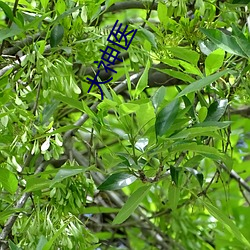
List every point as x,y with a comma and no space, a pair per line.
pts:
110,59
122,35
95,82
110,55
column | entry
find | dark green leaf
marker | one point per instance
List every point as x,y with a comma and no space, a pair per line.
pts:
216,110
56,35
245,2
117,181
174,172
198,175
166,117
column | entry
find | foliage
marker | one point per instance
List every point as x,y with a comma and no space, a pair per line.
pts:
161,162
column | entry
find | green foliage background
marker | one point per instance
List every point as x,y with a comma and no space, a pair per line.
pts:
161,163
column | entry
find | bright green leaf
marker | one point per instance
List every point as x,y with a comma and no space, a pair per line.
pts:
143,81
8,180
186,54
214,61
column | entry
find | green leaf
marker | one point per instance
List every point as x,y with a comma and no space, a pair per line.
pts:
8,180
174,172
143,81
44,3
186,54
9,211
202,114
49,244
227,223
33,183
98,210
197,85
128,108
70,101
9,32
177,74
7,10
166,117
245,2
132,203
158,97
49,110
216,110
66,172
117,181
223,41
41,243
214,61
193,132
173,196
162,12
13,246
56,35
143,34
219,125
198,175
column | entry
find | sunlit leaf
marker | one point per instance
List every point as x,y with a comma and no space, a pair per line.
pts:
214,61
8,180
143,81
